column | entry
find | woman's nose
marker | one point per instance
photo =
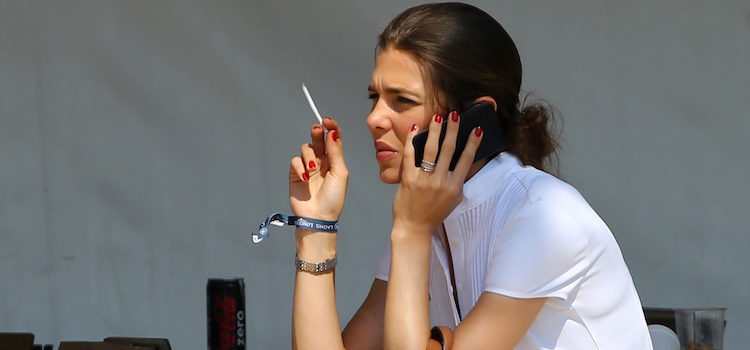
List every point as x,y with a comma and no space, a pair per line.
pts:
378,118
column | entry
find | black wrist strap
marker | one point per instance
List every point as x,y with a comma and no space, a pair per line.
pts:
279,219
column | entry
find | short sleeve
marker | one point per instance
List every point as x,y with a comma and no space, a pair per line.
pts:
540,252
384,263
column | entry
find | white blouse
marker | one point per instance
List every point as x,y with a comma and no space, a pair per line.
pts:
522,233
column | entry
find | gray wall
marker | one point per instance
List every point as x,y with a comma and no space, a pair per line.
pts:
141,142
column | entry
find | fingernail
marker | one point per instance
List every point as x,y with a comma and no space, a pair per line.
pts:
478,131
327,118
305,177
414,127
316,126
334,135
438,118
311,165
454,116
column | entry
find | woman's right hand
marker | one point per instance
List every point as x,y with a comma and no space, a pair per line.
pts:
318,177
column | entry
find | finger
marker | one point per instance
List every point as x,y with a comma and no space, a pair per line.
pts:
449,143
407,162
467,157
433,138
334,147
297,171
317,135
309,161
331,125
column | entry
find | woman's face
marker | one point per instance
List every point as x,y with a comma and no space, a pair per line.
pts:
399,100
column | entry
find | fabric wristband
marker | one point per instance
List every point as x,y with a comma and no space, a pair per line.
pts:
279,219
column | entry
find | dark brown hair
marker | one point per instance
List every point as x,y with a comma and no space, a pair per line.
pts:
464,54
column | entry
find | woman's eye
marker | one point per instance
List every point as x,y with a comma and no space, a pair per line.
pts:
373,98
405,100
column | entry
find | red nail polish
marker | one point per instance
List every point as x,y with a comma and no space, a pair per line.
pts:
311,165
334,135
454,116
305,177
414,127
478,131
438,118
316,126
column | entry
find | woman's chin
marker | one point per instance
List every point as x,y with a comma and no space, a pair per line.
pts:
390,175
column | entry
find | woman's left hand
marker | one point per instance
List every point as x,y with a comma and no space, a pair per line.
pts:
424,199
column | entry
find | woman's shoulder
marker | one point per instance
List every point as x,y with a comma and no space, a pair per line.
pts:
551,204
505,187
543,187
506,175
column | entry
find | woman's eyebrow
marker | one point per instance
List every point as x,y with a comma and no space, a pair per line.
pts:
394,90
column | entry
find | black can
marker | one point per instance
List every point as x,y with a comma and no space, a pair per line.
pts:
226,313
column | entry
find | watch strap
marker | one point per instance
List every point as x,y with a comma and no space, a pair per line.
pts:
329,264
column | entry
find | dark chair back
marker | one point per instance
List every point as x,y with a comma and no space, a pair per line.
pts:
16,341
89,345
151,343
660,315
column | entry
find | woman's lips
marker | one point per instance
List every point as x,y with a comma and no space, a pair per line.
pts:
384,151
384,155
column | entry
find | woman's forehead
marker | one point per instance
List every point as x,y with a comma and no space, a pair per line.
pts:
396,71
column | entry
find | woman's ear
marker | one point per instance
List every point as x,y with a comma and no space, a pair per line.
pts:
486,99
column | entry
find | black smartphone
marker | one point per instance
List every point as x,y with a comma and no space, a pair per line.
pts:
481,114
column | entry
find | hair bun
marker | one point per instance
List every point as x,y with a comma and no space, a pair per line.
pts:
531,136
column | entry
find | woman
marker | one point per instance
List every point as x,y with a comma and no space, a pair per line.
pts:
509,256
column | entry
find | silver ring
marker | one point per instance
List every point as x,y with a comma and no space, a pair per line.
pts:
428,166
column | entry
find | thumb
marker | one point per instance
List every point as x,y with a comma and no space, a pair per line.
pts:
334,148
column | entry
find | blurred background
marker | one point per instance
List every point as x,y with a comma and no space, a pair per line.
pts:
141,142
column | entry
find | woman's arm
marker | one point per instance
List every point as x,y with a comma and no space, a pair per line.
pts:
407,312
315,323
365,329
423,200
496,322
317,189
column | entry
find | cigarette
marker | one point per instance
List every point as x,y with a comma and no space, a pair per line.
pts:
312,104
